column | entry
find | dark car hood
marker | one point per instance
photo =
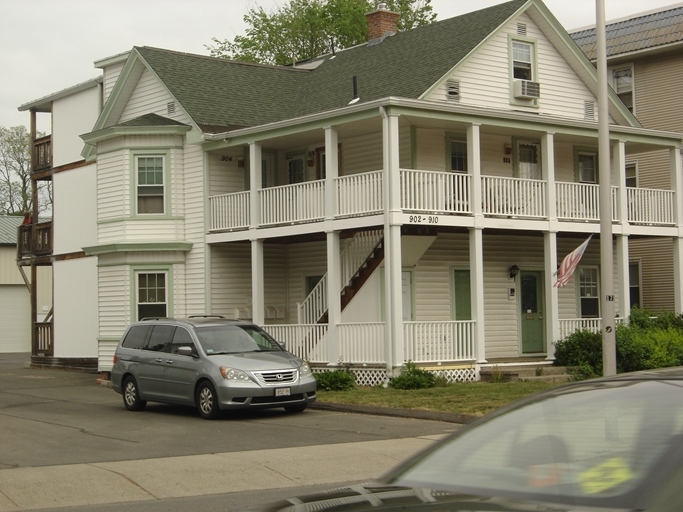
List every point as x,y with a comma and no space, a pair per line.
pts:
250,361
389,498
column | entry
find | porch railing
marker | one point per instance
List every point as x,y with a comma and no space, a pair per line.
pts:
302,202
364,343
360,194
513,197
43,338
439,341
35,240
438,193
650,206
230,211
571,325
42,153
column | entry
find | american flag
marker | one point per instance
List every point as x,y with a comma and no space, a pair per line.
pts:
569,264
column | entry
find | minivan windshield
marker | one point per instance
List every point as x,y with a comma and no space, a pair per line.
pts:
234,339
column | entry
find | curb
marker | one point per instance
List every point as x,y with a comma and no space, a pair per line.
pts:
419,414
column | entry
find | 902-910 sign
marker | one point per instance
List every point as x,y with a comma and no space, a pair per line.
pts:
423,219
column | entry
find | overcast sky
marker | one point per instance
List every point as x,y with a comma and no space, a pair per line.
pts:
49,45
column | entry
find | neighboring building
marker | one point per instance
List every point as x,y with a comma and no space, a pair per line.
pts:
15,303
645,66
439,175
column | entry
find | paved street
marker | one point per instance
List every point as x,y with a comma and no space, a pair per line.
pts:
67,441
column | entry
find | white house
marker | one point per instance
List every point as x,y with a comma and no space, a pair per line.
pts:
405,199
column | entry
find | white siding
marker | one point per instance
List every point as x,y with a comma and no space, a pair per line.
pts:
485,77
73,116
150,96
190,188
225,176
111,75
74,209
15,319
230,278
75,291
114,300
9,272
306,259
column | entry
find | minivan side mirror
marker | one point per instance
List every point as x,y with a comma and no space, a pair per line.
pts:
186,351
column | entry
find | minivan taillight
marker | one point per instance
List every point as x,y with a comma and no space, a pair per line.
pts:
116,358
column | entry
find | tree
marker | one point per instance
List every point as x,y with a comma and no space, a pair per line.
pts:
15,174
304,29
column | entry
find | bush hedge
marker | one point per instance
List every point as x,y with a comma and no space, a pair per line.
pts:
412,377
649,341
337,380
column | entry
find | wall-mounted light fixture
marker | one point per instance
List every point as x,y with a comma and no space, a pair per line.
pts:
513,271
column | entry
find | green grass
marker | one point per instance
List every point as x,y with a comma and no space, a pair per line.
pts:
475,399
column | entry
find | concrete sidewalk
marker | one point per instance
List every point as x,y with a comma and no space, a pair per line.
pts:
29,488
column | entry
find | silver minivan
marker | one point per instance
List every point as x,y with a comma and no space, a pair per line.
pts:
210,362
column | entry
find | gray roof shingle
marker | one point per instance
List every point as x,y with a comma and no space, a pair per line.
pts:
638,33
222,94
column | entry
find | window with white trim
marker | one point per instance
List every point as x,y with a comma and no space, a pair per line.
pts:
587,164
623,85
522,60
459,156
151,297
150,184
634,284
296,168
631,175
589,293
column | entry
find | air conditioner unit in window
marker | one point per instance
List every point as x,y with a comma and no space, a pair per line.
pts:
526,89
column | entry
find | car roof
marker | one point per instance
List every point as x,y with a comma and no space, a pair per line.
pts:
195,320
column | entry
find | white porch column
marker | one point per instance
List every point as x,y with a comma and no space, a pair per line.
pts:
474,169
258,307
552,309
334,284
677,184
331,171
392,245
255,164
548,166
257,289
623,275
333,297
477,291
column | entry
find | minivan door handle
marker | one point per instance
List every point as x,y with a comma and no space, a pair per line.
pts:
158,360
169,361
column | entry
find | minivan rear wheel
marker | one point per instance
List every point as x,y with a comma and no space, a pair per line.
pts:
207,401
131,396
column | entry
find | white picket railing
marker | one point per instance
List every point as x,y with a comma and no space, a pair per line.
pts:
360,194
362,342
309,342
571,325
650,206
439,341
438,193
514,197
302,202
229,211
435,192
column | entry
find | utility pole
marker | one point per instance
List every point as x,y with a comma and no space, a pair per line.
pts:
609,357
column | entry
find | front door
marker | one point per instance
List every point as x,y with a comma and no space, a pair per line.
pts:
531,313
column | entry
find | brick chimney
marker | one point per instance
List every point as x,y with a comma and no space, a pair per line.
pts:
381,23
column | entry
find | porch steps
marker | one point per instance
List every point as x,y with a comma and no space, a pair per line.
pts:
525,373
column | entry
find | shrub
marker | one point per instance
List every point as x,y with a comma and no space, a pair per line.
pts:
412,377
337,380
650,340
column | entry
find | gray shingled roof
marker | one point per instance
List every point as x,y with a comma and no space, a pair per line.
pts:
152,120
8,229
219,93
635,34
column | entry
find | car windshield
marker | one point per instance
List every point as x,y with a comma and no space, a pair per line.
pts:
233,339
592,444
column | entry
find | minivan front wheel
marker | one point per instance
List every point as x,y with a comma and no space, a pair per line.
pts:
207,401
131,396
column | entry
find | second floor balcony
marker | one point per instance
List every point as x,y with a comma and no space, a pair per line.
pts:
42,154
34,241
440,193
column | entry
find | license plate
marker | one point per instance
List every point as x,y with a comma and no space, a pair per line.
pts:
282,392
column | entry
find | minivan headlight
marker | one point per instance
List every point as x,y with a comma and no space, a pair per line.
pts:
304,370
234,374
